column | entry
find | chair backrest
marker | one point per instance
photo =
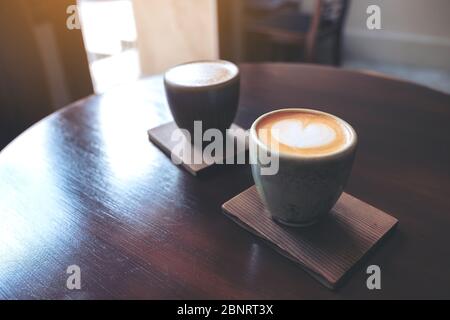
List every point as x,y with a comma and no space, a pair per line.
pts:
330,15
333,12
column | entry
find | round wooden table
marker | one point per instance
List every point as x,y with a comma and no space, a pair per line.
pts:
85,187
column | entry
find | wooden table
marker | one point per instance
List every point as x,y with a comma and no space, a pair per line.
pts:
85,187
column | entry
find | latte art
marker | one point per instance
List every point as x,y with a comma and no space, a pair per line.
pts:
202,73
303,133
296,134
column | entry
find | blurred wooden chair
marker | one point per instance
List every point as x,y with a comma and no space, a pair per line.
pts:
305,30
263,8
25,91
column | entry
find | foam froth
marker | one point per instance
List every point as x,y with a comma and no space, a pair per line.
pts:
303,133
297,134
201,73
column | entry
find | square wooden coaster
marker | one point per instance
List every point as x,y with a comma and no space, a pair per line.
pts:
327,250
161,137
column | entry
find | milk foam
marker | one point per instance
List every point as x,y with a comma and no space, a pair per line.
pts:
303,132
201,73
296,134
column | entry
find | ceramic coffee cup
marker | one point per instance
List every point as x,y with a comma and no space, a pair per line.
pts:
206,91
306,186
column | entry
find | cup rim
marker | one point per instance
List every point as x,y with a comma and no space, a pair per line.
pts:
336,154
202,87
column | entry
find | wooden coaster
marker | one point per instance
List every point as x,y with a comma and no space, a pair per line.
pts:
327,250
161,137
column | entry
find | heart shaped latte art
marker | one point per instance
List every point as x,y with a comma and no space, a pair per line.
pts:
295,134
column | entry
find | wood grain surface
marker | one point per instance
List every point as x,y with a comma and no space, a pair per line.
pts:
328,250
194,160
84,186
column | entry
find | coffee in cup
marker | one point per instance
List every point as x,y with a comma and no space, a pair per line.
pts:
303,133
315,151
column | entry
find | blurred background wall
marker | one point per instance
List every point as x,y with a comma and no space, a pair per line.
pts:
414,32
129,39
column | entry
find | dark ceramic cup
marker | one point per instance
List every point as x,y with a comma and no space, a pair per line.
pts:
206,91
